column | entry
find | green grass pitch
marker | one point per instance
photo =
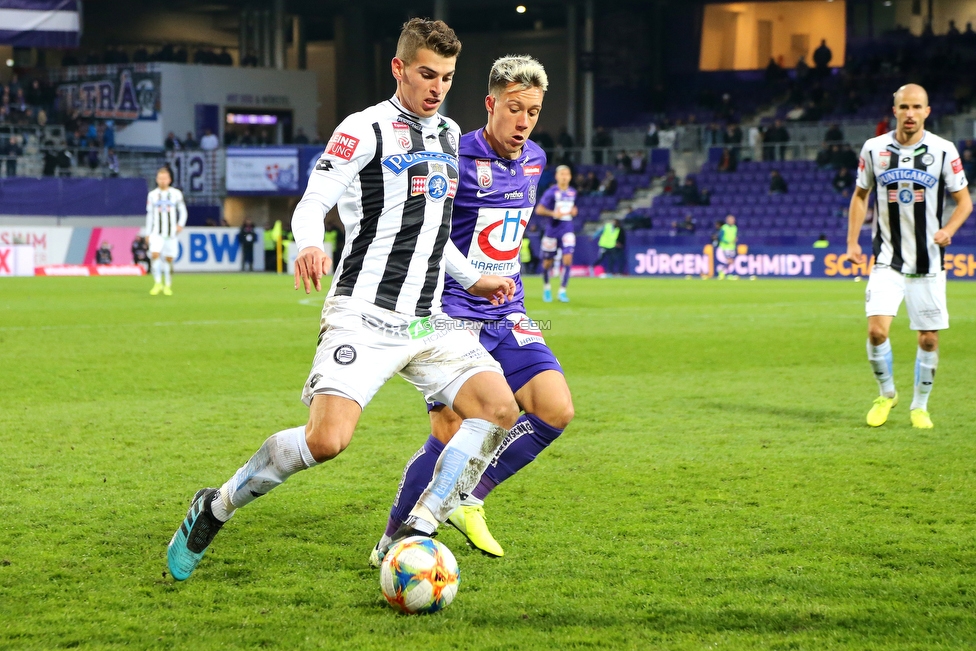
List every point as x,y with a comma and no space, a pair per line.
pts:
718,489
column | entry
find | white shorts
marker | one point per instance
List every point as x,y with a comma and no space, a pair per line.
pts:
167,247
724,257
924,296
362,346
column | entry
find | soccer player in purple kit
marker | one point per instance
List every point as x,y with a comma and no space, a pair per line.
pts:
497,186
559,204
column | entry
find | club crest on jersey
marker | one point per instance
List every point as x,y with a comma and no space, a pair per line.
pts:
401,133
483,168
532,191
884,160
906,196
927,159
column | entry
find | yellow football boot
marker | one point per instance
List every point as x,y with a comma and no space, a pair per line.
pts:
470,520
878,415
158,287
921,419
167,290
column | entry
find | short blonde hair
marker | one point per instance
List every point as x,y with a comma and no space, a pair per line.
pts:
516,69
423,33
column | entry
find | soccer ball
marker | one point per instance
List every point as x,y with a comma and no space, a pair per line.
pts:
419,575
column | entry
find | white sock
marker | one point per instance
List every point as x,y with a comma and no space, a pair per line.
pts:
157,272
925,364
282,455
167,272
881,363
459,469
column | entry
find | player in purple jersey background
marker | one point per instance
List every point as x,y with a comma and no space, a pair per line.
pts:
497,187
559,204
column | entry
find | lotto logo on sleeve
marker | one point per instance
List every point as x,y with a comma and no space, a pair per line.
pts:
342,146
956,166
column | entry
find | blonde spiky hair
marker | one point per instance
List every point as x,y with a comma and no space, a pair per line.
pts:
516,69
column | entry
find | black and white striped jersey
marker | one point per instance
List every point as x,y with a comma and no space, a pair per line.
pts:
165,210
911,185
393,176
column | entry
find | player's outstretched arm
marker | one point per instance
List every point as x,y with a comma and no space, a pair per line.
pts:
311,264
496,289
964,206
856,214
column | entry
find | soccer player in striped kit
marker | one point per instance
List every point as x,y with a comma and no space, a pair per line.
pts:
912,169
392,170
165,218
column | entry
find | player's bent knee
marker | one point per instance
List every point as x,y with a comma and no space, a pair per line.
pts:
558,413
878,334
504,413
928,340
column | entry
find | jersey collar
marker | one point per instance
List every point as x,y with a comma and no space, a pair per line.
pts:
426,123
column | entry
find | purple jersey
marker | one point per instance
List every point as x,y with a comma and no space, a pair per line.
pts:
559,201
494,201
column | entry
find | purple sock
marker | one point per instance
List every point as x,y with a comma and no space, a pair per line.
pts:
524,442
545,276
416,475
566,270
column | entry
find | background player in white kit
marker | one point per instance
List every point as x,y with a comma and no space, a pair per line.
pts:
392,170
165,218
911,169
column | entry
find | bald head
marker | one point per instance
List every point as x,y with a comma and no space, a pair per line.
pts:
911,92
911,108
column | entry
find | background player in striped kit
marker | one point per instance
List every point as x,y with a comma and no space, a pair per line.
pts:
912,170
558,203
392,171
499,177
165,218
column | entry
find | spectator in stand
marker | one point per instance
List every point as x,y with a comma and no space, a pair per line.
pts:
883,126
824,157
300,137
112,163
670,182
140,252
969,36
172,143
209,141
564,140
834,134
601,140
592,184
821,59
847,158
774,72
733,138
10,149
224,58
638,162
247,237
651,137
608,187
623,162
802,69
953,32
190,142
689,192
773,139
108,134
250,61
727,162
685,227
843,181
969,163
777,184
103,255
705,197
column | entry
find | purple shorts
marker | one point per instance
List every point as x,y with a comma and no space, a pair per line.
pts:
558,235
520,349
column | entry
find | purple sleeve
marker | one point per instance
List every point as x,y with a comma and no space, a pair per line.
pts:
549,198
